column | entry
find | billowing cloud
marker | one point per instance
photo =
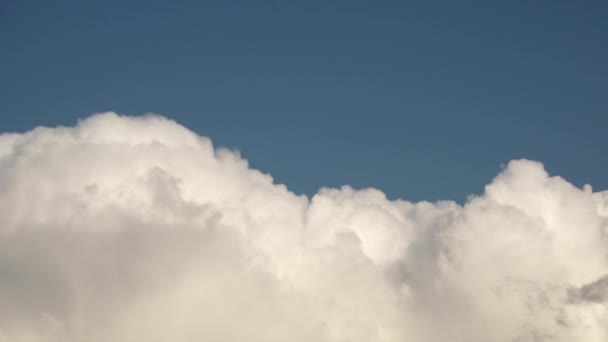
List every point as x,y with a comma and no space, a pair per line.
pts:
131,229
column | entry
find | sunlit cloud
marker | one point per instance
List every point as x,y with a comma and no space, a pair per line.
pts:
137,229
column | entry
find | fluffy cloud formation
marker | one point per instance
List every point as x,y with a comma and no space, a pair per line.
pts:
131,229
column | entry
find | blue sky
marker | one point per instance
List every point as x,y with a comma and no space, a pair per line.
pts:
422,99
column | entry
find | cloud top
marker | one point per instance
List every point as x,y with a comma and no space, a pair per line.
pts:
137,229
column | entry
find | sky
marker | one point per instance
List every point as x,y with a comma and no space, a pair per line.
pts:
302,171
423,99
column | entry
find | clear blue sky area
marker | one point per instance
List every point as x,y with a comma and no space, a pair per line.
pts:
422,99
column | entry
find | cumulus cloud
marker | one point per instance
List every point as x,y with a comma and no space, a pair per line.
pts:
136,229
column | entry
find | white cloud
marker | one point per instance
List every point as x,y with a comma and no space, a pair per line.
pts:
136,229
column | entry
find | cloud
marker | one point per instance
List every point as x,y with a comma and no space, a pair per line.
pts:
136,229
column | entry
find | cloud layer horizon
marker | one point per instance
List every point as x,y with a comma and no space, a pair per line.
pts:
130,229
